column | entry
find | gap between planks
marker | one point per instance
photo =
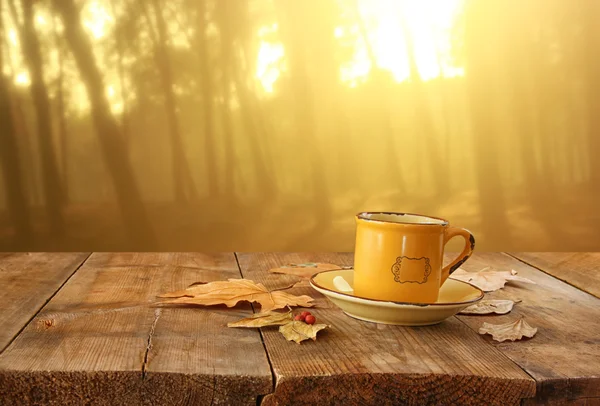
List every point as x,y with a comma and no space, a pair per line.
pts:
262,340
45,303
547,273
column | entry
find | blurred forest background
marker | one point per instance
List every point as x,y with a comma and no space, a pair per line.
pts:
268,124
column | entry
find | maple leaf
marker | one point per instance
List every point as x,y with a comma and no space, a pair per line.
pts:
487,279
232,291
306,270
299,331
489,306
509,331
263,320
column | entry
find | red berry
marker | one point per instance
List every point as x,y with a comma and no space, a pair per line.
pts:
304,314
299,317
310,319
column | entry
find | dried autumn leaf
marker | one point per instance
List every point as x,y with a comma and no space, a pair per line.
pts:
509,331
304,270
487,279
232,291
263,320
489,306
299,331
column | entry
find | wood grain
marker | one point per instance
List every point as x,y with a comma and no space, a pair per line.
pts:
580,269
564,356
102,340
358,363
28,280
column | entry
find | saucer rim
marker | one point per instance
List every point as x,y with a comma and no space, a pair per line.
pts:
417,304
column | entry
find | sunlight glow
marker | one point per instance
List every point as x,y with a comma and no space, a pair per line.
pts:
22,79
96,18
269,61
110,92
428,23
114,98
12,36
117,108
40,20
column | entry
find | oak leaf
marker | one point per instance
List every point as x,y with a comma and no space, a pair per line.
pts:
299,331
489,306
232,291
487,279
509,331
306,270
263,320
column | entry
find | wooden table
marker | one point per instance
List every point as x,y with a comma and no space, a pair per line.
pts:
82,329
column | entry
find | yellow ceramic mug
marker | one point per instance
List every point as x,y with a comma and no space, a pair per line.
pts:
399,256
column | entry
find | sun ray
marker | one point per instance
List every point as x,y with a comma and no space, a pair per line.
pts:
429,23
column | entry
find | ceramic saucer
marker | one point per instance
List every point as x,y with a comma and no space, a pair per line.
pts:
337,286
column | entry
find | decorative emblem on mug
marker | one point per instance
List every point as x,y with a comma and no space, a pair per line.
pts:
411,270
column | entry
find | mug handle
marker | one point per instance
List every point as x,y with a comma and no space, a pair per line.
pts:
449,233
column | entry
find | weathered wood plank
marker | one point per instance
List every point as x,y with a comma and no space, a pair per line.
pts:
356,362
28,280
564,356
580,269
101,340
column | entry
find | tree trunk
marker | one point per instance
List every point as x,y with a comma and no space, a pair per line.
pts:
133,211
225,113
206,80
592,65
523,110
22,134
445,96
521,72
29,164
266,181
480,63
297,15
390,151
62,119
11,168
182,175
39,94
121,72
235,21
424,119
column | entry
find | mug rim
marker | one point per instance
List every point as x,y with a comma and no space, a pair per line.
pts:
361,216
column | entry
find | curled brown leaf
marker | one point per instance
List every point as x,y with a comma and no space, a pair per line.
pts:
487,279
489,306
509,331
